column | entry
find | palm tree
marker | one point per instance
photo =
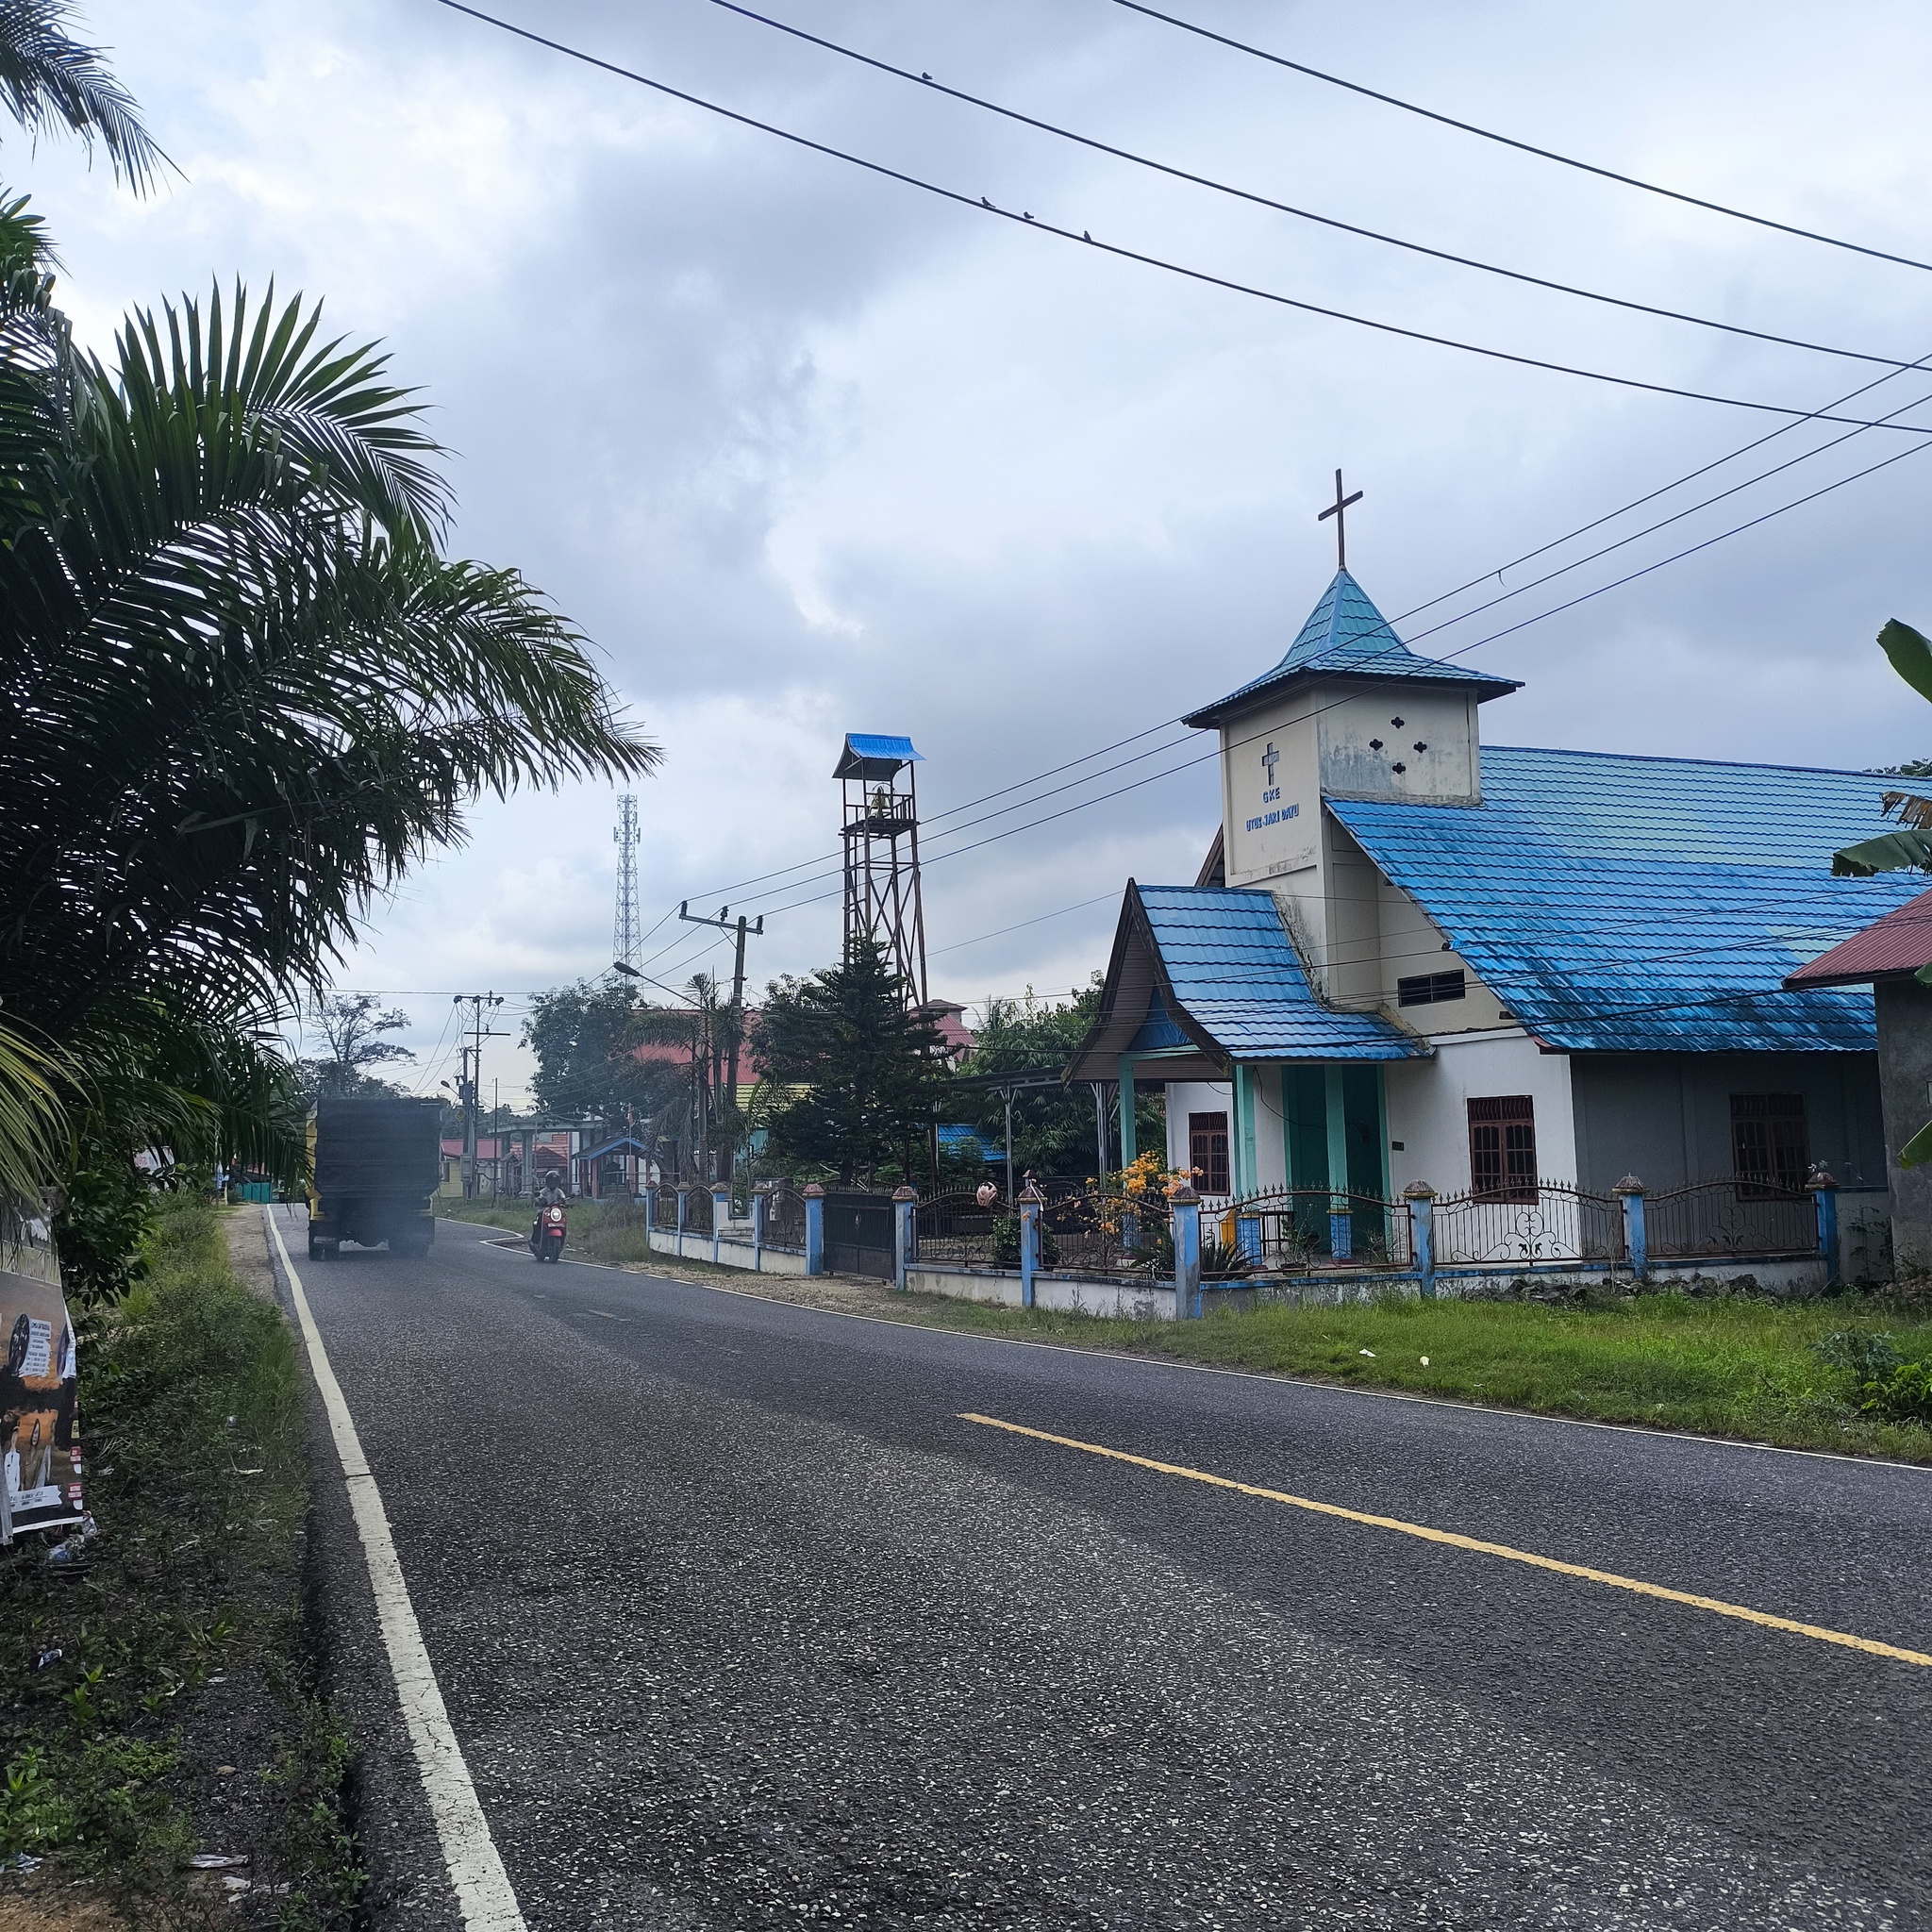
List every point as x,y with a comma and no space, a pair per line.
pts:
242,689
49,80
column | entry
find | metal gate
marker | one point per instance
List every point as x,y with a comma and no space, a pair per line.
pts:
858,1233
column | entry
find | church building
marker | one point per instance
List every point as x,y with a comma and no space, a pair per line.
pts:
1410,956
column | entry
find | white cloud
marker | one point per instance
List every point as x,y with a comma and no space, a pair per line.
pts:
803,450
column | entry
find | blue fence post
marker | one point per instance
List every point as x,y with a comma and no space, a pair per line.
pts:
1187,1253
1247,1233
1031,1201
683,1215
1630,1191
720,1214
814,1228
650,1213
1824,1196
761,1197
1421,1235
1340,1232
904,1233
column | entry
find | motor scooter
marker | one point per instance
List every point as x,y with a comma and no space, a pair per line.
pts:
546,1238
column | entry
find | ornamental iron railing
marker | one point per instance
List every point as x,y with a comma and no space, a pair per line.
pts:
785,1219
1736,1216
1551,1221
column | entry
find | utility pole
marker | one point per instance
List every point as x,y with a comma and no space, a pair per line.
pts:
470,1092
744,930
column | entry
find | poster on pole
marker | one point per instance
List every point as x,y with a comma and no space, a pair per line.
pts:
40,1446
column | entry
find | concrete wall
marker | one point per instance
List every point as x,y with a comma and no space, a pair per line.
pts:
1125,1300
1904,1061
1429,1113
732,1252
1666,1117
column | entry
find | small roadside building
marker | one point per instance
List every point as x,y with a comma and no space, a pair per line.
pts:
1887,957
1412,956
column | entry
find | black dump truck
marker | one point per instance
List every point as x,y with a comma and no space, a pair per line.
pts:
376,1159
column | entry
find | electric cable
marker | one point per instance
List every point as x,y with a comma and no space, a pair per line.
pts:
1259,200
1544,154
1204,277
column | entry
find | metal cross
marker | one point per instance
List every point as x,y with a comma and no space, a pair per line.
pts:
1337,509
1270,758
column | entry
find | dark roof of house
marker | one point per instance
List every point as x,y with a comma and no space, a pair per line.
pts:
1890,948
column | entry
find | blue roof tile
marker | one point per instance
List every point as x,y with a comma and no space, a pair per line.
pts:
1619,903
1235,973
1345,634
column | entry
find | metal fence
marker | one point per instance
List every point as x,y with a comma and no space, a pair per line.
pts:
1730,1217
1290,1228
1550,1221
697,1212
785,1217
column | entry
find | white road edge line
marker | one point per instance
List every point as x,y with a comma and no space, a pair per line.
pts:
475,1869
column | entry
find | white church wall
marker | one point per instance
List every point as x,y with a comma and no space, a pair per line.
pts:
1400,741
1413,944
1270,792
1428,1111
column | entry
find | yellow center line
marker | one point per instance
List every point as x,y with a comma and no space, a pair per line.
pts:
1449,1537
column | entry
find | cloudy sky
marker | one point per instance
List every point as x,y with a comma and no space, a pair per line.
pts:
805,450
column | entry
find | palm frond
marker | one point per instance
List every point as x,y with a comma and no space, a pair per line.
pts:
48,79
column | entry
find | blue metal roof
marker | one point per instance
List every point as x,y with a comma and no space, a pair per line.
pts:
1235,973
1345,634
1619,903
866,745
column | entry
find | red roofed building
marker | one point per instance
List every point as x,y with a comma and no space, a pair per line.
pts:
1888,956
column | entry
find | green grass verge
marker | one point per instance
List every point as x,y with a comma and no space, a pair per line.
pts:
182,1637
1721,1365
607,1231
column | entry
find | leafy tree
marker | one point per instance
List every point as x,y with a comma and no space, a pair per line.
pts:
867,1072
585,1038
1909,848
243,691
352,1026
1053,1128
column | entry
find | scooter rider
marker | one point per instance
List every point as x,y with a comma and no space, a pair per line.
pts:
552,1194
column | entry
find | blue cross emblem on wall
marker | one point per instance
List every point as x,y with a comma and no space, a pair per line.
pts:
1270,758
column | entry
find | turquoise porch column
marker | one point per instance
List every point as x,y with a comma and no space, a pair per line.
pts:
1242,1142
1125,1076
1335,1111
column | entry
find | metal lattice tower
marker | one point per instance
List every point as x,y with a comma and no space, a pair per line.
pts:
881,839
624,943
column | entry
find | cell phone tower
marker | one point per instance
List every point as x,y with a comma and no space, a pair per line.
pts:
882,838
624,944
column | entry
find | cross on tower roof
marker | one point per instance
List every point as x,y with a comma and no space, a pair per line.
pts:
1337,509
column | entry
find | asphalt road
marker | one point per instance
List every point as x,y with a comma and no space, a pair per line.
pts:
740,1625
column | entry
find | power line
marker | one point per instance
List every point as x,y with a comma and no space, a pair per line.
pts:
1544,154
1203,277
1259,200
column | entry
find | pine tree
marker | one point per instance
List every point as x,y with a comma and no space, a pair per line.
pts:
868,1069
